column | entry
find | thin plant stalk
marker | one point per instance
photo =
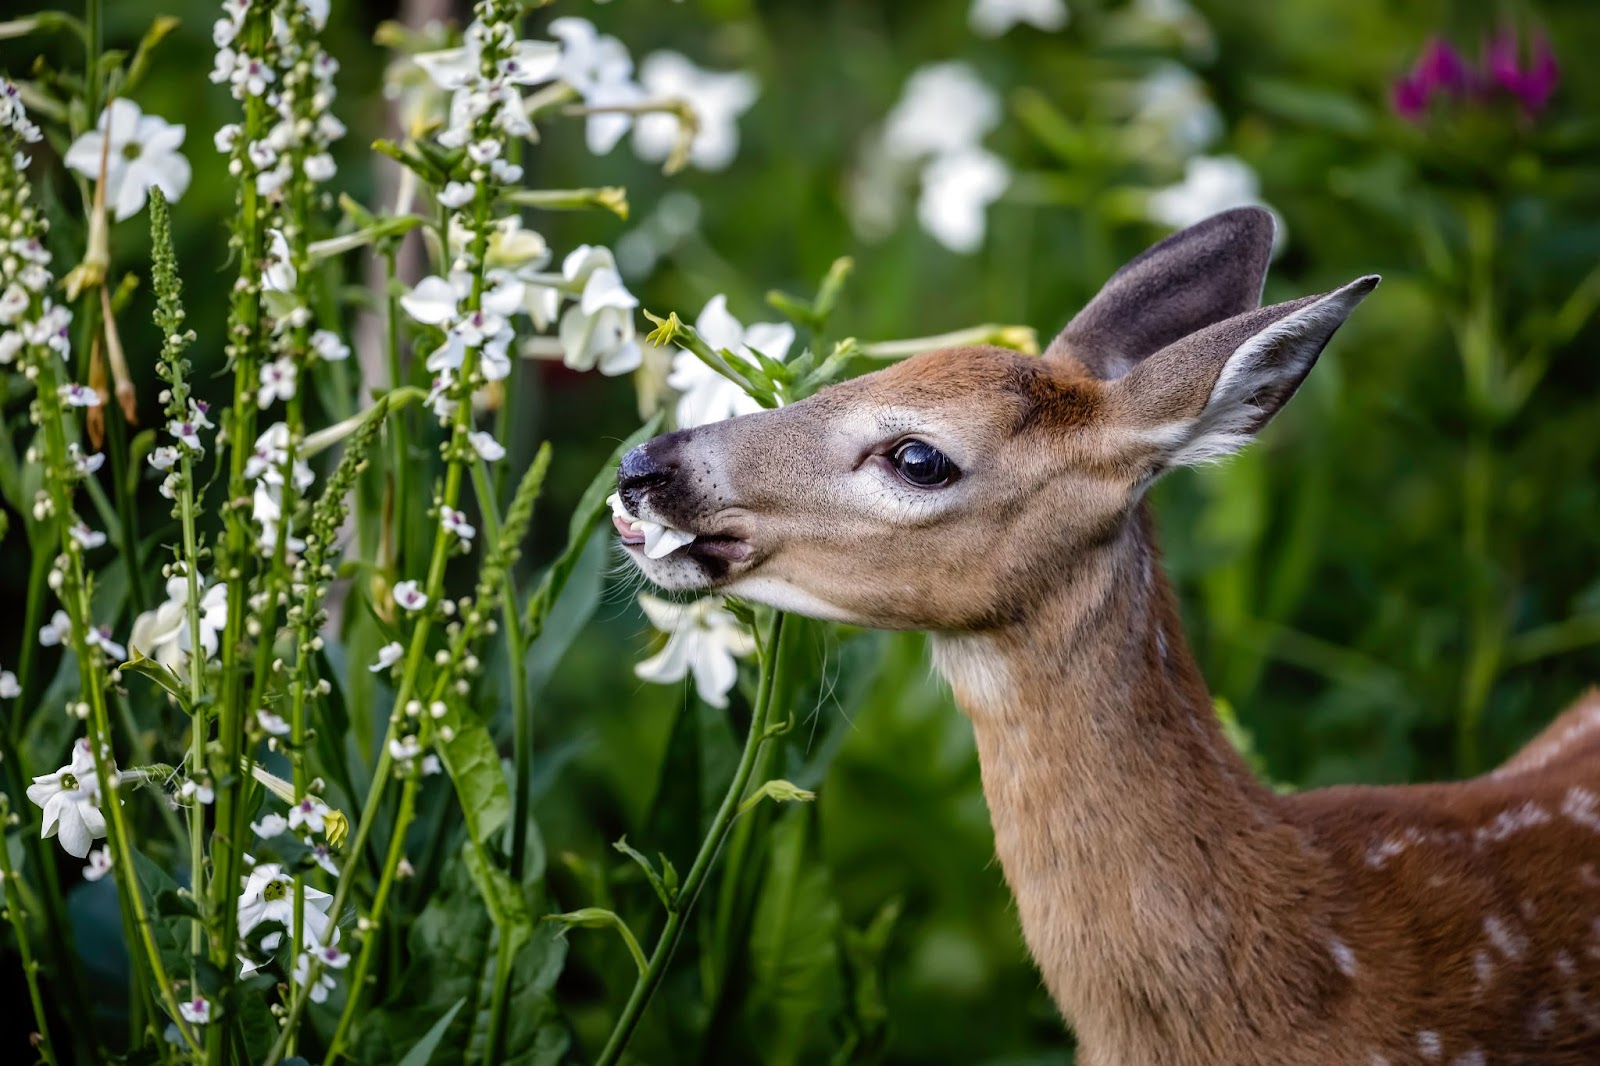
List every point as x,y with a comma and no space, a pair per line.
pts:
30,969
721,824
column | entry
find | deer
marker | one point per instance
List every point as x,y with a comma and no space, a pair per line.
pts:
1179,910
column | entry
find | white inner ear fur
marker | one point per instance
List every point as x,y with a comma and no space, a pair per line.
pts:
1269,365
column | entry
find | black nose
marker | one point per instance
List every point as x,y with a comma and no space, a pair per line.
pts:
642,469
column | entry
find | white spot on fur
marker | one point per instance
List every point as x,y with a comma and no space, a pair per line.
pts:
1509,942
1428,1044
1343,957
975,671
1510,822
1471,1058
1542,1019
1580,806
1582,726
1483,966
1379,854
775,592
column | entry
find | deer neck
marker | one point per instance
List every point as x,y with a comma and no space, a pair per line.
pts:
1164,895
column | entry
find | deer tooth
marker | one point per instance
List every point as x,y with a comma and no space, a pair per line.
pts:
660,539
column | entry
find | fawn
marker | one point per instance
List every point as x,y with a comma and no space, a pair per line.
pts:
1179,911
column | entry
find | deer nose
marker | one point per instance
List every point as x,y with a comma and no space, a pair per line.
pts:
642,469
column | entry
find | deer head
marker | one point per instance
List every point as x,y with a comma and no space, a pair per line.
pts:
950,491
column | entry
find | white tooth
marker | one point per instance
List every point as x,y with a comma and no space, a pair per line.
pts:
662,540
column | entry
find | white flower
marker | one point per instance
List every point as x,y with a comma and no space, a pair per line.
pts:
717,100
992,18
433,300
88,539
431,765
455,523
320,167
84,464
703,638
944,107
957,189
70,798
488,449
707,396
100,637
199,791
274,724
9,688
196,1011
1173,113
268,896
56,631
456,194
278,379
1210,184
99,864
320,988
328,346
530,63
308,814
278,274
270,453
270,826
597,331
142,154
659,540
388,655
601,70
163,633
409,595
75,395
323,857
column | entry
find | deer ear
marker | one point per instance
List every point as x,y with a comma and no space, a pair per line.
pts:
1204,397
1204,274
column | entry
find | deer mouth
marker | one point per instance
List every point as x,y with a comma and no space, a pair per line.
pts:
655,539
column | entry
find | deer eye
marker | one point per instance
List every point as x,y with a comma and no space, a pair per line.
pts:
921,464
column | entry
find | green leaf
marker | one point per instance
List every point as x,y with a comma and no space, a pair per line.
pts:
668,895
422,1050
793,947
451,958
585,520
474,766
162,676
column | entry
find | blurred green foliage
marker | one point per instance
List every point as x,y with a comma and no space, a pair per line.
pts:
1402,581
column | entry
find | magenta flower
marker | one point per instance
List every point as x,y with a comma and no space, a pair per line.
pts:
1532,87
1442,71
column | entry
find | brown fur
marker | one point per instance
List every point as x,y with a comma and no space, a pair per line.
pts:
1179,911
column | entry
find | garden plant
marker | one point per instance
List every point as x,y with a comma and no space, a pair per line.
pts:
334,728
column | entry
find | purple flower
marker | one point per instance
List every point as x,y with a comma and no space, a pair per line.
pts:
1441,70
1502,61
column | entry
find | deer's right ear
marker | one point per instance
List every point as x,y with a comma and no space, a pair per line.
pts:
1211,271
1205,396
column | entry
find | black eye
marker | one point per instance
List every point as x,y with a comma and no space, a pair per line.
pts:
922,464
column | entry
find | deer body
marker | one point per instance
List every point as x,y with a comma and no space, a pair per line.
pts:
1179,911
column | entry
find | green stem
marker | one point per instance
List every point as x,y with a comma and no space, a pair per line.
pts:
672,932
197,726
391,864
30,969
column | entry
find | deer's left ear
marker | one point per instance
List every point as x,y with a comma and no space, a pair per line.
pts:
1200,275
1205,396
